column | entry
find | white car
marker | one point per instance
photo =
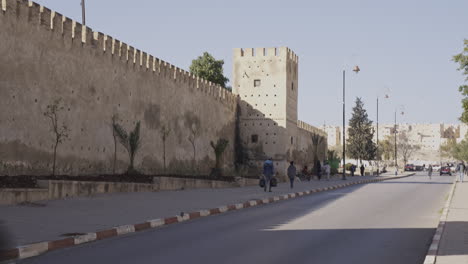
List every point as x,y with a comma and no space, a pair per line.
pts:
436,167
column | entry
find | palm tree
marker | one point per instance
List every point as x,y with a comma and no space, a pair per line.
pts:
130,142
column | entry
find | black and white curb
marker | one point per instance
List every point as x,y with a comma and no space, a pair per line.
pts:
36,249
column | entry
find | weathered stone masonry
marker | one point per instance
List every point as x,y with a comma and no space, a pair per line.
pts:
45,56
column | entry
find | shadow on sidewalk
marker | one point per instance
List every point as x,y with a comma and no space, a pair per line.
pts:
454,239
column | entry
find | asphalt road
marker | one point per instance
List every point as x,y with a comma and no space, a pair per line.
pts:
388,222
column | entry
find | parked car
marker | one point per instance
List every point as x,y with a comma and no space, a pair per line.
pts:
436,167
409,167
419,168
445,170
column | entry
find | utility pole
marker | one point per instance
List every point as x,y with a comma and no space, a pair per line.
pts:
344,130
356,70
395,131
83,12
378,154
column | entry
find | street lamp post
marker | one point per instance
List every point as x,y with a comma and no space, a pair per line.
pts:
83,12
356,70
344,130
395,131
378,154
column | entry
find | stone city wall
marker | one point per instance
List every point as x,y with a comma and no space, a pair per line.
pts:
45,56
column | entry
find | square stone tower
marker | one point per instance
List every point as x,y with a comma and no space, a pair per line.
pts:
266,81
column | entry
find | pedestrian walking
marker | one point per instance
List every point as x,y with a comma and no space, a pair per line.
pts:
291,173
362,169
327,169
268,171
305,173
461,171
429,172
353,169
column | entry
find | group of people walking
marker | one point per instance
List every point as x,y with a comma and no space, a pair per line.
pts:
461,170
269,172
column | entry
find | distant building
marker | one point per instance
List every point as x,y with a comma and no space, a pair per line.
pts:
428,136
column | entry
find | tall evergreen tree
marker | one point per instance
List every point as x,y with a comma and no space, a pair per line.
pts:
360,145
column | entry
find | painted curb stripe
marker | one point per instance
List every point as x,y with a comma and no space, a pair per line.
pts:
85,238
9,254
106,234
159,222
239,206
214,211
195,215
42,247
142,226
125,229
63,243
170,220
33,250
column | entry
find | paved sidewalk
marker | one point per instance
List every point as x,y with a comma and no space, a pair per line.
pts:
453,246
49,220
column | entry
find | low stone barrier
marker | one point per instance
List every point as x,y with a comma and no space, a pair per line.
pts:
21,195
173,184
60,189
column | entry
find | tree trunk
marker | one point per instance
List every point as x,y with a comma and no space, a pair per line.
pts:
55,157
132,158
115,154
194,156
217,165
164,155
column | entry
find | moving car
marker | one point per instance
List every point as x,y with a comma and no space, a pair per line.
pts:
409,167
445,170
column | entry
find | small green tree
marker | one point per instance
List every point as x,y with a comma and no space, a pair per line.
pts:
360,141
60,130
333,160
165,132
460,150
207,67
218,149
462,60
131,143
192,138
386,148
405,148
446,149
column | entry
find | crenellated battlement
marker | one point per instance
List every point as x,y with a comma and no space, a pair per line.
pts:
284,52
84,37
310,128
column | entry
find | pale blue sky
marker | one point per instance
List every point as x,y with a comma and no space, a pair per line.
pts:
402,46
